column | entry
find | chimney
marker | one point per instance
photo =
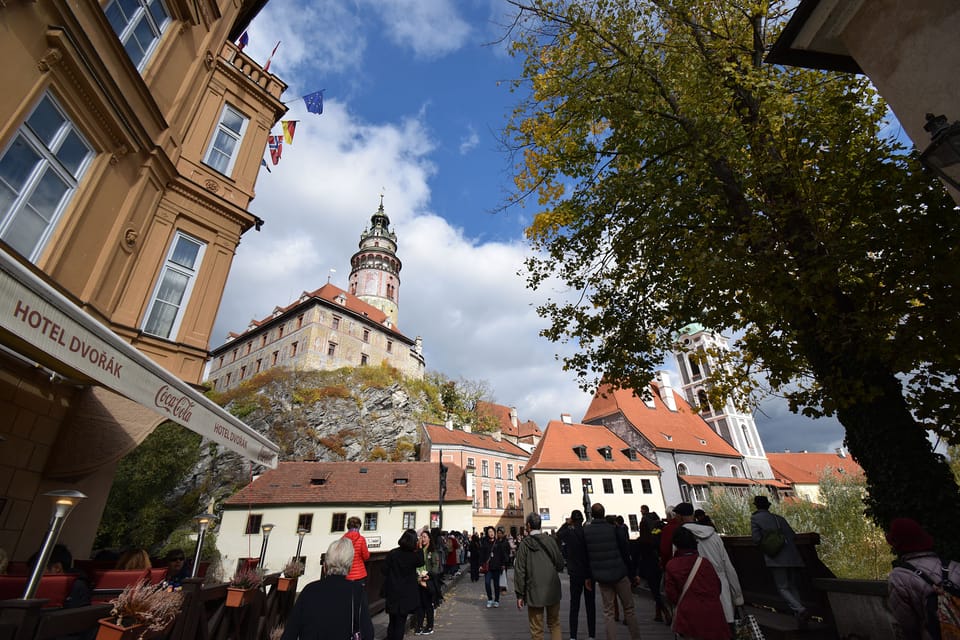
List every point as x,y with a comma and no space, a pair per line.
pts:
513,417
841,452
497,435
467,428
565,418
666,390
448,423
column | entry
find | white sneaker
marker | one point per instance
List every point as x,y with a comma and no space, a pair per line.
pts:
496,603
489,603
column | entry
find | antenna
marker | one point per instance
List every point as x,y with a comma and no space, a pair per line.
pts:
330,275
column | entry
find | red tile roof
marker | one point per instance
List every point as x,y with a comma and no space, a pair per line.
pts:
806,468
556,450
708,480
681,430
346,482
501,414
442,436
328,293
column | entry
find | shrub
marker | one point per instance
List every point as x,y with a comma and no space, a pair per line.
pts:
150,605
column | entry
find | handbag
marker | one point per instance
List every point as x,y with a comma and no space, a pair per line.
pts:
747,627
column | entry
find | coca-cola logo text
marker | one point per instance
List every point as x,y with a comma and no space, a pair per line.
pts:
179,407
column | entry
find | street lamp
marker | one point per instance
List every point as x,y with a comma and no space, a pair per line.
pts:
944,148
204,520
267,528
302,531
64,500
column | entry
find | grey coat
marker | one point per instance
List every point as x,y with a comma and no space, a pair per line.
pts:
536,570
789,556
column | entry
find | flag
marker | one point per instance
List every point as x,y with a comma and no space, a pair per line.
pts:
275,143
314,101
244,40
266,67
289,127
263,163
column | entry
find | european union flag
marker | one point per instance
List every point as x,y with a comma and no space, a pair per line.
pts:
314,101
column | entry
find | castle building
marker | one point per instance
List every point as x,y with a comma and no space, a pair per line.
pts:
131,134
329,328
696,362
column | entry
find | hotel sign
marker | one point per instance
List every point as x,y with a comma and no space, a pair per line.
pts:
39,315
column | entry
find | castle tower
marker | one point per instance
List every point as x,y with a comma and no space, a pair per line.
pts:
696,365
375,268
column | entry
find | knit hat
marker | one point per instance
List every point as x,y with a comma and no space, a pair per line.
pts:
683,509
906,536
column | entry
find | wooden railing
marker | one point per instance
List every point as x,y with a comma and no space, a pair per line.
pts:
204,615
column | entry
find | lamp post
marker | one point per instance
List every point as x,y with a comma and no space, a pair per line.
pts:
64,500
300,533
204,520
267,528
944,148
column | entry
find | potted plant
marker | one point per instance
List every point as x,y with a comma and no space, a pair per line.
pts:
242,585
288,579
141,611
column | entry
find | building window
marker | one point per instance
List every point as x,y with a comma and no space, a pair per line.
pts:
734,472
139,25
259,364
389,346
646,486
607,485
331,349
565,485
249,346
221,361
581,452
177,277
486,499
511,500
634,522
606,453
243,372
499,499
299,321
484,469
710,470
233,356
225,145
253,523
471,463
704,401
338,522
305,522
363,359
699,493
336,322
39,173
263,340
227,383
366,335
498,470
274,357
510,472
682,469
694,367
293,349
587,485
627,485
544,513
409,520
370,521
279,332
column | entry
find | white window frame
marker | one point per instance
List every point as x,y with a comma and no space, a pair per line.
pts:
238,137
48,162
142,13
191,274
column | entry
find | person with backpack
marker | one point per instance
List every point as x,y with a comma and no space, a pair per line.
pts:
775,537
923,590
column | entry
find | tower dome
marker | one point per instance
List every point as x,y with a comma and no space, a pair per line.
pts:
375,267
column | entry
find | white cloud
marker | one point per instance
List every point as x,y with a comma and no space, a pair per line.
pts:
469,141
429,29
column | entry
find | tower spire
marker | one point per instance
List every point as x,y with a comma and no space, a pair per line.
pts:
375,267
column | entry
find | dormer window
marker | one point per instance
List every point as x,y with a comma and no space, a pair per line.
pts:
399,481
630,452
581,451
318,482
703,442
606,452
668,437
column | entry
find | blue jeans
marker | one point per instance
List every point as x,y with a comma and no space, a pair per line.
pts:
491,582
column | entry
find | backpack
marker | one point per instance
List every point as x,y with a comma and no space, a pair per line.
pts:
942,605
772,541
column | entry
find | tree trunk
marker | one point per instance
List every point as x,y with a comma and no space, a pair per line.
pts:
905,477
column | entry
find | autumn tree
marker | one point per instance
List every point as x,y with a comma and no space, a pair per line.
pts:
683,180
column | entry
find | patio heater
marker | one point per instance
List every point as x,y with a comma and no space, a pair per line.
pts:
267,528
64,500
204,520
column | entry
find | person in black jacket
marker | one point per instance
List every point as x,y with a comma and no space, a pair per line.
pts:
496,553
474,557
401,586
578,568
331,608
611,571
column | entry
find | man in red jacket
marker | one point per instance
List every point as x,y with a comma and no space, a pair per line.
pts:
358,572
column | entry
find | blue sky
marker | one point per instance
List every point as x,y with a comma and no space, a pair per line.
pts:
416,97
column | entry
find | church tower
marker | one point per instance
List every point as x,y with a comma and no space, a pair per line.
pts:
375,268
736,427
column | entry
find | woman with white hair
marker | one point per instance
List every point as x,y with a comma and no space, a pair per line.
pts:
332,608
